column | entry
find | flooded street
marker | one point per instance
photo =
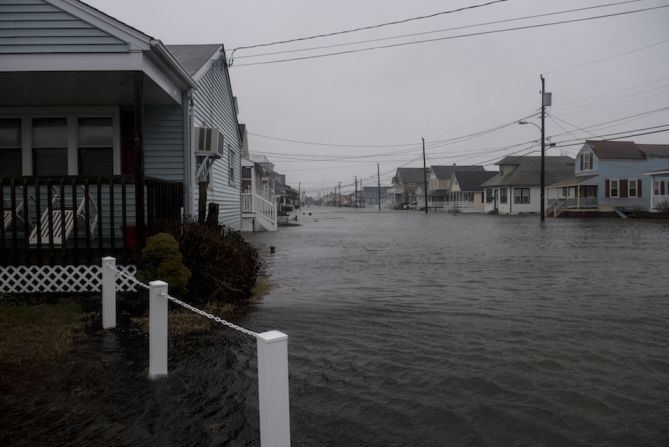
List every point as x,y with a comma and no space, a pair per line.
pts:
407,329
404,330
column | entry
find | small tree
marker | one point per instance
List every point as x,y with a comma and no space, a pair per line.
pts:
162,260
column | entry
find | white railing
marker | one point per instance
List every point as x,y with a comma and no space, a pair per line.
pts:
459,205
261,207
272,350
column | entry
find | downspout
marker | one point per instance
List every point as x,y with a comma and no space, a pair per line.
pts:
189,166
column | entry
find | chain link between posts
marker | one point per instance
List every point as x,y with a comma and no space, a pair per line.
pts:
186,305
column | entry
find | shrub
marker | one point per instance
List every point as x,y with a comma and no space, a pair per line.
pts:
161,259
224,265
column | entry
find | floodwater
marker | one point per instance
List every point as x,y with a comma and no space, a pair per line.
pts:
405,329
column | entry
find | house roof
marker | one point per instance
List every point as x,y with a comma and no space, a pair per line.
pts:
410,175
606,150
472,180
655,150
526,170
445,172
573,180
193,57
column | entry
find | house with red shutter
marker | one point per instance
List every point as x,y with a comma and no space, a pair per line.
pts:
613,176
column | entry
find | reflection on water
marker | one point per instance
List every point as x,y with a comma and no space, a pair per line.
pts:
408,329
404,329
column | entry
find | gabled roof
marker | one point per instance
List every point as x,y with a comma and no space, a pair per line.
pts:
193,57
410,175
472,180
607,150
445,172
525,171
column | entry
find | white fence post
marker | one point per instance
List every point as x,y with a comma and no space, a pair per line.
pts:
158,305
108,293
273,389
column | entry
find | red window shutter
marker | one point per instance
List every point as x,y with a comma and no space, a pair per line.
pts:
622,186
606,188
581,159
661,188
638,188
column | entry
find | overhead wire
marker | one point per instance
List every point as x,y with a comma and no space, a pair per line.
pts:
459,36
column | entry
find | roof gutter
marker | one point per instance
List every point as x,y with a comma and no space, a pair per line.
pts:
167,57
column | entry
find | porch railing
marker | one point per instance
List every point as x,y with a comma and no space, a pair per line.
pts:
253,203
77,219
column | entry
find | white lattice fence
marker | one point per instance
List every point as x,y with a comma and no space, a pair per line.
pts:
60,278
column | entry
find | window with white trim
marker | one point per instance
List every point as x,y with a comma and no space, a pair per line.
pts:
49,146
521,196
503,196
632,188
587,161
613,189
10,147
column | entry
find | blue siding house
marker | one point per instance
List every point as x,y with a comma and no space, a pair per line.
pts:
610,176
214,107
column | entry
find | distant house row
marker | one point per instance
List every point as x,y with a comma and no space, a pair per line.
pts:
606,176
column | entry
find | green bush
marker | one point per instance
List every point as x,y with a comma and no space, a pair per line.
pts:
224,265
162,260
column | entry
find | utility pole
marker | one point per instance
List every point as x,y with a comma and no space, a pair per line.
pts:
543,145
299,194
378,179
339,200
356,191
424,175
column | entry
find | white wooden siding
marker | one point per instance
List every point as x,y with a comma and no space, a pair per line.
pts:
34,26
213,107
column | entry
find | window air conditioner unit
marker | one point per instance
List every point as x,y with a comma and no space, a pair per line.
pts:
208,141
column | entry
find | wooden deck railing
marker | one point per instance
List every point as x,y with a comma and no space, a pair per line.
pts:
76,219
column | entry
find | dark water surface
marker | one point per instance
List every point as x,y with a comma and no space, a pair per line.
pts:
404,330
408,329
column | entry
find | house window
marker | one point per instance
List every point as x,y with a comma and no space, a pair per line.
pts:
231,165
503,196
613,189
488,195
631,188
656,188
49,146
587,161
95,146
10,147
521,195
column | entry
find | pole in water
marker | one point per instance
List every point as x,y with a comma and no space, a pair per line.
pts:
378,179
424,175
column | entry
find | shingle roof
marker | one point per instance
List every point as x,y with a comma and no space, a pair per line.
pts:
445,172
193,57
472,180
526,170
616,150
655,150
410,175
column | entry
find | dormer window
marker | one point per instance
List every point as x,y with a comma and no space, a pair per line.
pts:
586,161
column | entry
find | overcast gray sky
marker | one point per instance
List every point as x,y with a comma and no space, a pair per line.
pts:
598,71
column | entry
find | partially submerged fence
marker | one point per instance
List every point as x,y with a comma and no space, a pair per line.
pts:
272,350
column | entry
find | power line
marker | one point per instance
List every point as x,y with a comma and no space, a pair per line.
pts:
362,28
476,25
460,36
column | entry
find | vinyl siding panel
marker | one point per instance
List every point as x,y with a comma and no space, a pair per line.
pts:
213,107
164,143
37,27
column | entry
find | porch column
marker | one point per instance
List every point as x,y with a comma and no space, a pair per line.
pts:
652,192
139,159
578,196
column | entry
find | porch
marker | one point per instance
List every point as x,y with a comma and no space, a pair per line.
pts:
258,212
659,193
573,195
78,219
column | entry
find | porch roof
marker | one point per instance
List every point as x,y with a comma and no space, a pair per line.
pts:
659,172
107,46
573,181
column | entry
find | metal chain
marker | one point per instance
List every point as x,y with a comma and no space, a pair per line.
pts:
130,277
188,306
210,316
